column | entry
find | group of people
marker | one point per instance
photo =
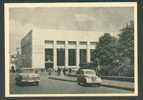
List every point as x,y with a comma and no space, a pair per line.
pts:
59,71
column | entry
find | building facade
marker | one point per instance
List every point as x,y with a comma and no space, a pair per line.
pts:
43,48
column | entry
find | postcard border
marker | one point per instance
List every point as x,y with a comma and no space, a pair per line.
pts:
7,6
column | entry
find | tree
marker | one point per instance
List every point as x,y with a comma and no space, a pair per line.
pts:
106,53
116,55
126,40
126,49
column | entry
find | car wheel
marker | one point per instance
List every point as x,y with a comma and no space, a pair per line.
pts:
84,82
78,82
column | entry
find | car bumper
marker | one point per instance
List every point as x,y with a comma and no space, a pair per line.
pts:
30,81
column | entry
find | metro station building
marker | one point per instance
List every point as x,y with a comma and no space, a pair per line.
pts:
43,48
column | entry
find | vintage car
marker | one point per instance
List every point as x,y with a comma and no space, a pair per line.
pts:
88,77
27,75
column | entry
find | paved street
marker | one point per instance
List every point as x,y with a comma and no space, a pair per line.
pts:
51,86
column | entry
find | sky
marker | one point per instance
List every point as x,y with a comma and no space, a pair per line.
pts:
101,20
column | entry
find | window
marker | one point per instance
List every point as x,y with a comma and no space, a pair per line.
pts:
92,55
83,56
83,43
72,43
72,57
61,57
60,42
49,41
93,43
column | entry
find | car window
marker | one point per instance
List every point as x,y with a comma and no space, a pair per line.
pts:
89,72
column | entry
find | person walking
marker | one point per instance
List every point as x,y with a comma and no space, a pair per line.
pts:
64,71
49,71
59,71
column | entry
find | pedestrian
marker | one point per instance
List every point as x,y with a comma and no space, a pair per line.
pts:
59,71
70,70
64,71
12,69
49,71
46,68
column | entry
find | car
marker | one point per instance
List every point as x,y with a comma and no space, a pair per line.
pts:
72,71
88,77
27,75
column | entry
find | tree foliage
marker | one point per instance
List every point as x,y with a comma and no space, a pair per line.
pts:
106,52
126,41
126,49
115,55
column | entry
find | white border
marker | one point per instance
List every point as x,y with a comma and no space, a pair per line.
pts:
99,4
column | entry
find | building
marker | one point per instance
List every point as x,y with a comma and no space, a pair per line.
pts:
43,48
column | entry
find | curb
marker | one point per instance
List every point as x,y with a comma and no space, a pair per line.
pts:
111,86
62,79
105,85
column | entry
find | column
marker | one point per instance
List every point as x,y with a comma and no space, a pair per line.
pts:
55,55
66,54
77,54
88,52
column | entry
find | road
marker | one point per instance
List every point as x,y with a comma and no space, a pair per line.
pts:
51,86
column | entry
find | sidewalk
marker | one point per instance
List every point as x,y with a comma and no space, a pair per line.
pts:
106,83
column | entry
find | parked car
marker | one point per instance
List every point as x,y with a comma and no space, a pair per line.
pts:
27,75
88,76
72,71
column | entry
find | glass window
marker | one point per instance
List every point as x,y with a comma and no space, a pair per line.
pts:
89,72
72,43
49,41
83,43
92,55
72,57
83,56
61,57
48,54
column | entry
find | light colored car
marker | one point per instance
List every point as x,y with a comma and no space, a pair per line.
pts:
27,75
88,76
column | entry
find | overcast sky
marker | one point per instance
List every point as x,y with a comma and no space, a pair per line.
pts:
100,20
